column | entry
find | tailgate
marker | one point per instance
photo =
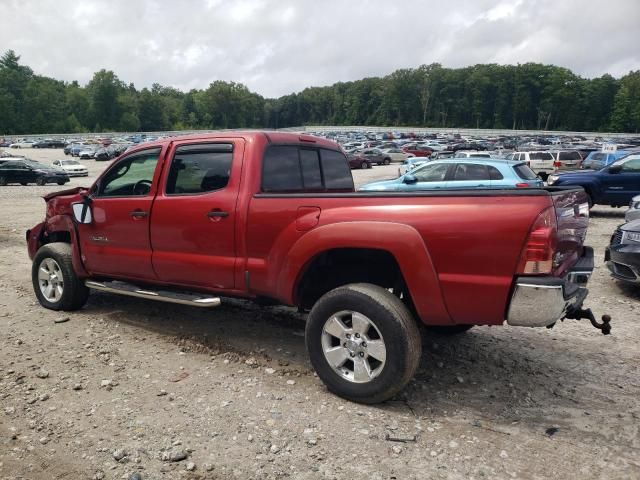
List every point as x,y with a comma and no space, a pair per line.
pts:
572,216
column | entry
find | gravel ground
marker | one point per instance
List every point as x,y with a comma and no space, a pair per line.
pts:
128,387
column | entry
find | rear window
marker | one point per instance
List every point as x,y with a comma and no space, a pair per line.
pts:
524,172
200,168
569,156
295,169
540,156
494,173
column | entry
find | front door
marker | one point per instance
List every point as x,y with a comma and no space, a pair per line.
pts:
194,216
621,187
116,243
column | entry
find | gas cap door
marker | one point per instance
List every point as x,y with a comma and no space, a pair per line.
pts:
307,218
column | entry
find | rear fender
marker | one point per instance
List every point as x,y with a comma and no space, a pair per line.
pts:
402,241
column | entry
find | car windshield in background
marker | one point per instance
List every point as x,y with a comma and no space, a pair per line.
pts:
69,162
524,172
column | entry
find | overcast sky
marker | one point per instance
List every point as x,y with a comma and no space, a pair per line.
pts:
276,47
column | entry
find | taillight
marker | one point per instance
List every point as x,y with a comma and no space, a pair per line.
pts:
537,255
522,185
557,164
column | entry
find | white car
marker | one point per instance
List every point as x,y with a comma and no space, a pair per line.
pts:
72,167
541,162
471,154
88,152
396,155
22,144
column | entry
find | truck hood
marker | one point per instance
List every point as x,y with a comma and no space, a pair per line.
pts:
69,191
633,226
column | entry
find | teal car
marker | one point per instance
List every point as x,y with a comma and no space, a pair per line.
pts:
461,173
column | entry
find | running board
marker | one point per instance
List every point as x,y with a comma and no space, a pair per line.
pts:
183,298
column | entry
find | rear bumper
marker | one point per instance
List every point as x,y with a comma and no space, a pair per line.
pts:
623,261
542,301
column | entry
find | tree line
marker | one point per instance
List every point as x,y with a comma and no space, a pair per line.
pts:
526,96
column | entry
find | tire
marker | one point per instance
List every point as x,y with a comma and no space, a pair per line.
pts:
448,330
386,161
61,182
23,183
3,181
363,165
50,262
41,181
589,199
388,323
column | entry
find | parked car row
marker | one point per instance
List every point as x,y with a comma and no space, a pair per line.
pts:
23,171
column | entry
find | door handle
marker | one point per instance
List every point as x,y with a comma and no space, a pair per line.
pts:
217,214
138,214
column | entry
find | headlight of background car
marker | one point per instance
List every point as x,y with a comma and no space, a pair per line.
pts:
632,236
552,179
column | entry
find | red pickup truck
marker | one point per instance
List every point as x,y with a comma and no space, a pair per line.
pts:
265,215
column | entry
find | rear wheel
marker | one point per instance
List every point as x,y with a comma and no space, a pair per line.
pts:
55,283
41,181
363,165
386,161
3,180
363,342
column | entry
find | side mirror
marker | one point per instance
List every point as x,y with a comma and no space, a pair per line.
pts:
409,179
615,169
82,212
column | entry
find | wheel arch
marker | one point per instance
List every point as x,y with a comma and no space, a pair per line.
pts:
400,247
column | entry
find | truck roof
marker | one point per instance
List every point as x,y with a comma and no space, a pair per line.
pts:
272,136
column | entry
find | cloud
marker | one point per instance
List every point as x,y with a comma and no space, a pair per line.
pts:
278,47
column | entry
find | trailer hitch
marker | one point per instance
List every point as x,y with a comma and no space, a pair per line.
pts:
580,313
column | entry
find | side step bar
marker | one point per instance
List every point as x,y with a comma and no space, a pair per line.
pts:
183,298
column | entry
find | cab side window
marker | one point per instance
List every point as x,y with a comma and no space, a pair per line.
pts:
432,172
132,176
632,166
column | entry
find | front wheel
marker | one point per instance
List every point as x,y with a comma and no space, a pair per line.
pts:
41,181
3,180
387,161
363,342
55,283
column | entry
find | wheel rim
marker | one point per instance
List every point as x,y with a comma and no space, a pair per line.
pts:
353,346
50,280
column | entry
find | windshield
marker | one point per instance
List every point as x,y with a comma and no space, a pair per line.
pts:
69,162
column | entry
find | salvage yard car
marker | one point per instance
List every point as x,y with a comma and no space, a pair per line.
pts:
274,216
633,213
27,171
72,167
614,185
460,173
622,256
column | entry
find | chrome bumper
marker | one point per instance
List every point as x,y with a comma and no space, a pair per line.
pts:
542,301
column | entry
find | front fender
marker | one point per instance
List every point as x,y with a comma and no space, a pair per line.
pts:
402,241
64,223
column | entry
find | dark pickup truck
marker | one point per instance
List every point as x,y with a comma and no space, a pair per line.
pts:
274,216
614,185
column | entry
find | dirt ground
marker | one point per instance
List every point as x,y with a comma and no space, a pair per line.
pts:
128,388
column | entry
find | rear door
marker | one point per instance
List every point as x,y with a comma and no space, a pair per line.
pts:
194,215
469,175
